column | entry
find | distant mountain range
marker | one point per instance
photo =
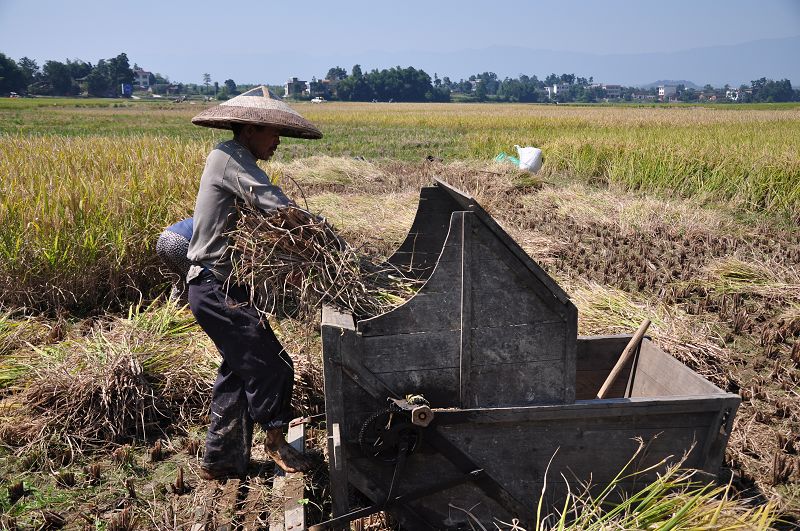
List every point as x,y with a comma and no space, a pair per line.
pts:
675,82
717,65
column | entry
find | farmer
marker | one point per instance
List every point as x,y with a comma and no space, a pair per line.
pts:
254,382
172,247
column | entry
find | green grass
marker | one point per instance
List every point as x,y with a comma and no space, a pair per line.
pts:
87,185
748,155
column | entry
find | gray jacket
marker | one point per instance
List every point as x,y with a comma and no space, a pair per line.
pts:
231,176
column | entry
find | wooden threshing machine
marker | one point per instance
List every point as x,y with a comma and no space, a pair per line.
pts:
490,341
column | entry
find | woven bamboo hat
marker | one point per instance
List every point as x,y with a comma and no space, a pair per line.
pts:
257,106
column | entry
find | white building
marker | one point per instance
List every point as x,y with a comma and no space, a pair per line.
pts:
732,94
553,90
141,78
665,91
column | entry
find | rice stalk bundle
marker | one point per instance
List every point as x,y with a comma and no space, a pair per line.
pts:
125,380
294,262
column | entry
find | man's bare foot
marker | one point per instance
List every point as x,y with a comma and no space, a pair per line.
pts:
286,457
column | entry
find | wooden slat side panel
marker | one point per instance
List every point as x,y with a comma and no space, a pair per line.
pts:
576,447
335,416
496,266
468,258
467,202
570,344
426,350
437,304
515,453
659,374
421,248
543,341
425,312
595,357
525,383
520,350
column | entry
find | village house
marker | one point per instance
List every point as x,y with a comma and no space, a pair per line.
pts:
141,78
613,91
732,94
667,92
295,88
553,90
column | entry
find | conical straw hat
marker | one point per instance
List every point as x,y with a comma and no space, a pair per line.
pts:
257,106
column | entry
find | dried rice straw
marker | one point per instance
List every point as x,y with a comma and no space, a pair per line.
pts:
294,262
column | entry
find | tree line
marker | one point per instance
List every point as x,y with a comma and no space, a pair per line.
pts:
410,84
104,79
69,78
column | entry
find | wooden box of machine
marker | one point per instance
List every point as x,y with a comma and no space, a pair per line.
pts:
462,396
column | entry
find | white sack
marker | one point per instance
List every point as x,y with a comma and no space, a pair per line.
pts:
530,158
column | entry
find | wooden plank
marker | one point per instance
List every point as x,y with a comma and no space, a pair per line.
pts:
294,485
594,358
334,317
428,231
510,305
527,449
585,410
437,304
719,432
334,415
467,202
352,365
659,374
519,343
570,335
465,390
425,312
599,352
502,270
588,382
426,350
290,488
508,384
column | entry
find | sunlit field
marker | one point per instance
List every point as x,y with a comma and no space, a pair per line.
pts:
685,215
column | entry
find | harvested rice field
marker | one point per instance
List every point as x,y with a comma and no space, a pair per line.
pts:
686,216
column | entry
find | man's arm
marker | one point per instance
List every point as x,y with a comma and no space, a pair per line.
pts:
250,183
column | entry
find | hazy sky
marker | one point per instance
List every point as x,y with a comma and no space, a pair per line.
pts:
255,41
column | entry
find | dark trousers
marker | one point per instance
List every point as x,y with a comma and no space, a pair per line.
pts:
254,382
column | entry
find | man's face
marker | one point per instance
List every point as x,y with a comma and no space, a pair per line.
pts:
262,141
